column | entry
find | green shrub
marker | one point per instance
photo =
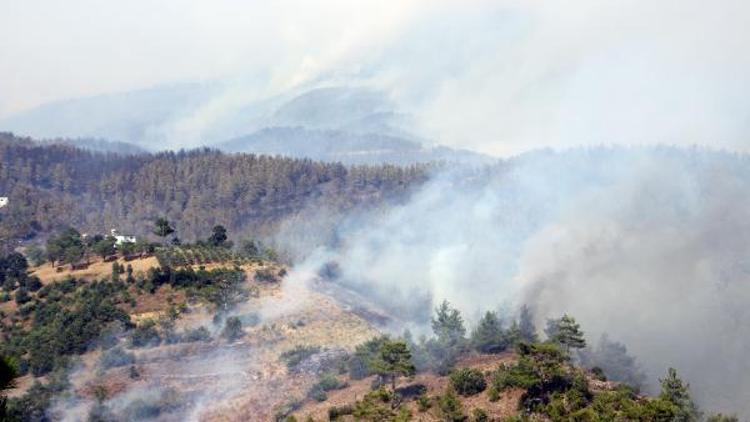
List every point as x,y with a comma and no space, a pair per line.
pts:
232,329
33,283
145,335
329,382
375,406
22,296
115,357
265,276
317,394
598,373
198,334
287,409
479,415
335,412
295,356
423,403
450,407
493,394
468,381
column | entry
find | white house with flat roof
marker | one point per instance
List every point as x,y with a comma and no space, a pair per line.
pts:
3,201
120,239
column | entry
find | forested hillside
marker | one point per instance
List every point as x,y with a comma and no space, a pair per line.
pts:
51,186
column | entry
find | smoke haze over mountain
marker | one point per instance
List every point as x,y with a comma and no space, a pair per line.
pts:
496,77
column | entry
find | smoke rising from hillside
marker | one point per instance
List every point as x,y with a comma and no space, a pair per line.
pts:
648,245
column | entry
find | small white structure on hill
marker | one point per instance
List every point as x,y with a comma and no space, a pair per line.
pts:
3,201
120,239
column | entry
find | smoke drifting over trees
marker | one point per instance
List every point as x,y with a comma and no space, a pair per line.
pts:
648,245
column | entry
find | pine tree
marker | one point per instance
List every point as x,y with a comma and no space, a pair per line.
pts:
393,360
568,333
489,336
526,327
674,390
448,325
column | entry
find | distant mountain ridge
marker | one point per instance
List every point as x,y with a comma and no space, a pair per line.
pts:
89,144
352,125
345,147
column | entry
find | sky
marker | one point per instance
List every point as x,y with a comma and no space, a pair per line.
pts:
500,77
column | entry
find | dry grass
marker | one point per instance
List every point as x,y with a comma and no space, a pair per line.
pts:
245,377
507,405
96,271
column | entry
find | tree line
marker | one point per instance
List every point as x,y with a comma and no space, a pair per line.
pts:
554,374
51,186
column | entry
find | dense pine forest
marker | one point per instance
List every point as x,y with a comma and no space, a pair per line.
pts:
52,186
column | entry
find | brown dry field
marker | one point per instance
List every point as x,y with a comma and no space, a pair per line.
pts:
97,270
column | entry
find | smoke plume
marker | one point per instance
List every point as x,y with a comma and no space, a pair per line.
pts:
645,244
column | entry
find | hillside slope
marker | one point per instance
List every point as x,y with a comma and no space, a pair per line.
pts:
51,186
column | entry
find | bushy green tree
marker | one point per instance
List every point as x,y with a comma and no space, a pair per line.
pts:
66,247
566,332
162,227
13,266
104,247
468,381
392,361
22,296
677,392
360,363
489,336
218,236
448,325
440,353
36,254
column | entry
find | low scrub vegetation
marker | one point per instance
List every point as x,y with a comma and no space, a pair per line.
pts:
468,381
292,358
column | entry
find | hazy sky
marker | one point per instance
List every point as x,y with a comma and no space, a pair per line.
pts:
496,76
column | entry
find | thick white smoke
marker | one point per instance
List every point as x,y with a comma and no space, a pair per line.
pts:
648,245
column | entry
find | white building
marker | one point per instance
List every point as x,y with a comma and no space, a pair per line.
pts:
3,201
120,239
